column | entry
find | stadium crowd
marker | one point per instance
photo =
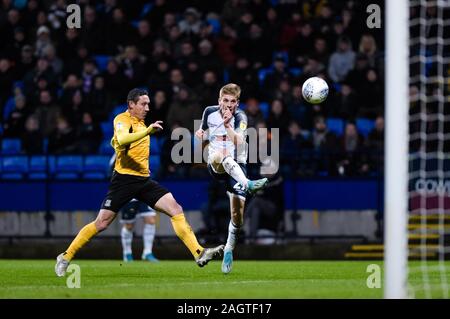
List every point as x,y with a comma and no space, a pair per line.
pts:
61,87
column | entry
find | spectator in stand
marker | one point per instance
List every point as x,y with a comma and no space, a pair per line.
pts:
342,60
253,112
31,137
97,100
352,161
190,24
325,143
208,90
114,80
47,112
160,108
89,72
88,135
63,139
7,77
278,117
247,78
184,109
13,126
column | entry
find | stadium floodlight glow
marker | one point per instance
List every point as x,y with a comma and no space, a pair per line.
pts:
396,149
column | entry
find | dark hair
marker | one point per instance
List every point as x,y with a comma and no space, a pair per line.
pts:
134,95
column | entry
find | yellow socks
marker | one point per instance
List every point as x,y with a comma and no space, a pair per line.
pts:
85,234
185,233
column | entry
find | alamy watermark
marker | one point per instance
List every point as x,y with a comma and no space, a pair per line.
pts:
74,279
374,279
373,21
74,18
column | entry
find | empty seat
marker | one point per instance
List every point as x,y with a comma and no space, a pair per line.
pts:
155,163
14,167
68,166
264,107
116,111
335,125
365,126
38,166
107,129
106,148
155,145
96,167
102,61
11,146
262,75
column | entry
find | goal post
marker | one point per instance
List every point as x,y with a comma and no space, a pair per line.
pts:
396,149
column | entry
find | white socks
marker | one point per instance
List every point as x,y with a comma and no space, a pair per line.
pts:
127,238
148,237
232,236
234,170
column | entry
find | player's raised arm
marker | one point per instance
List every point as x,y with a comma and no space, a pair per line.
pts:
124,137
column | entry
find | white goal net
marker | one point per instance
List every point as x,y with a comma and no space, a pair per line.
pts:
428,221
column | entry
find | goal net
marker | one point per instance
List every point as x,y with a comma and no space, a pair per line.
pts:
429,149
417,179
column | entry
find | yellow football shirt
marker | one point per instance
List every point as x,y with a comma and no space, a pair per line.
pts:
133,158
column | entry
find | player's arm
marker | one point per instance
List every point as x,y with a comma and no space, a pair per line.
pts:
200,133
124,137
236,134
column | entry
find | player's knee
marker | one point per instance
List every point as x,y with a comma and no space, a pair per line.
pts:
128,226
101,225
216,158
176,208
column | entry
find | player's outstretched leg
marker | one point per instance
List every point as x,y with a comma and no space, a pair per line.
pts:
255,185
234,170
183,230
103,220
237,204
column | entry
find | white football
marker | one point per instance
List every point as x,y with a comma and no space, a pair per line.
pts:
315,90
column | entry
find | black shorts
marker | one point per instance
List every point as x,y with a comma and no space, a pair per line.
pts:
124,188
231,184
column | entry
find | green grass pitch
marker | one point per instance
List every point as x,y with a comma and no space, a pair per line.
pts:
185,280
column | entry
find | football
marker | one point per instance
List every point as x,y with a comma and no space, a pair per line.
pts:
315,90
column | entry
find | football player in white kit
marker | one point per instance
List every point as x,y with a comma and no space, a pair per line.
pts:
224,126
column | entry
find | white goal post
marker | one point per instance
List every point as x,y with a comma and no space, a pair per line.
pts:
396,149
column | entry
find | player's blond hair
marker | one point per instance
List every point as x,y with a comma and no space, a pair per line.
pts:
231,89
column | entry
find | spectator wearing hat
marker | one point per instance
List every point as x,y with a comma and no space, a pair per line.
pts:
43,40
191,23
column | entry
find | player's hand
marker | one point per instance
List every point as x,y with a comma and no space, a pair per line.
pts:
227,117
199,134
152,128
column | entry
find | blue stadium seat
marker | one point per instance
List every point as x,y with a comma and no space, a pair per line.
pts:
146,8
14,167
155,146
262,75
215,25
106,148
96,167
335,125
107,129
68,166
265,108
11,146
282,54
10,105
295,71
116,111
38,167
102,61
155,163
365,126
